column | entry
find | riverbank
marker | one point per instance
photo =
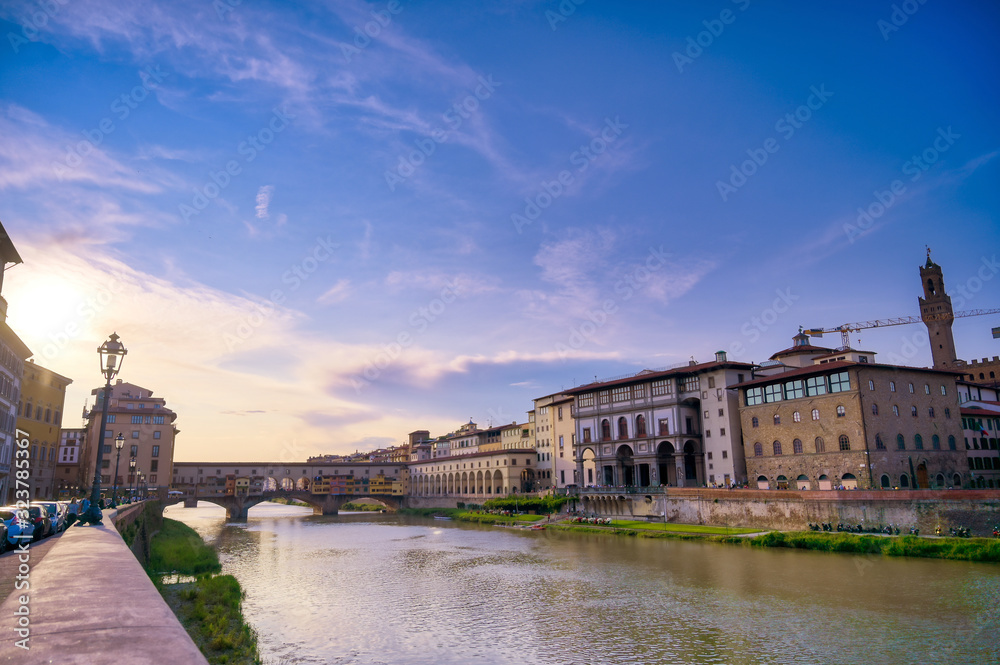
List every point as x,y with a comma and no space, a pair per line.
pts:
209,606
981,550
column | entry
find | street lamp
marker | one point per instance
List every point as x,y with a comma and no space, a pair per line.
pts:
131,477
119,444
112,353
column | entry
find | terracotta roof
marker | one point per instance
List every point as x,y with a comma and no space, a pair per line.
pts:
645,375
804,348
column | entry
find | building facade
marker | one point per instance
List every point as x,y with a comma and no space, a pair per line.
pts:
70,479
555,437
13,354
149,429
676,427
853,424
39,415
477,476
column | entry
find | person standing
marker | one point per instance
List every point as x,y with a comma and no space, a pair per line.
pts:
71,513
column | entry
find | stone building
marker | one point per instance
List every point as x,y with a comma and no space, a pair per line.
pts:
678,427
555,436
854,423
70,480
478,475
39,414
149,430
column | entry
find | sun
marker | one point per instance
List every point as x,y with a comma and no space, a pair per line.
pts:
45,310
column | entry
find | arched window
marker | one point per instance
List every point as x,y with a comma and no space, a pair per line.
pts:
895,410
884,481
820,445
777,447
797,447
796,417
904,481
951,442
754,422
622,428
605,430
640,426
871,385
918,442
815,414
841,412
892,386
900,442
930,412
845,443
913,411
758,450
911,388
936,442
874,409
878,443
777,419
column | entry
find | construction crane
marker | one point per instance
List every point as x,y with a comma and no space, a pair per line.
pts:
848,328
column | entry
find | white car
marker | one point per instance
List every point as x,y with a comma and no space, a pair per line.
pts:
17,529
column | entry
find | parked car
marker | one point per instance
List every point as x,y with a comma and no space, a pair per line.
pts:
57,513
16,528
40,518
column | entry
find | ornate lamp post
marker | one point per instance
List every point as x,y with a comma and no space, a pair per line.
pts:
112,353
131,477
119,444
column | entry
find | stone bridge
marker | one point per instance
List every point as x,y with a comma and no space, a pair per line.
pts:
237,505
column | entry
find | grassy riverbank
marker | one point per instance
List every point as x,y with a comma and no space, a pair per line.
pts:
210,607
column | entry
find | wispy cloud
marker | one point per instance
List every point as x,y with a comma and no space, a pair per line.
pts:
337,293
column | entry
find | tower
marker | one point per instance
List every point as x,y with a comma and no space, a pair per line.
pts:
937,315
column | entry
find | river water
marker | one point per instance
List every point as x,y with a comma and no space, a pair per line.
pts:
363,588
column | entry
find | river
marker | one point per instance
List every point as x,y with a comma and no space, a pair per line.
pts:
364,588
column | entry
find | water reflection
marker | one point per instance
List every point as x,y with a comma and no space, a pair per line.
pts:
372,588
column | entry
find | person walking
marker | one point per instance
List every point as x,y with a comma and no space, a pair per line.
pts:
71,512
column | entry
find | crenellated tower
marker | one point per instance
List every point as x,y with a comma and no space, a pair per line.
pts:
938,316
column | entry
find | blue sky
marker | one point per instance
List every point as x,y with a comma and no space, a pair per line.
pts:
319,227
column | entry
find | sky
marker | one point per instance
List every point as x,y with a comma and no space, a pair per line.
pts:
318,226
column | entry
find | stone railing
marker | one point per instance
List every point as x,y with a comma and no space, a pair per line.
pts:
90,601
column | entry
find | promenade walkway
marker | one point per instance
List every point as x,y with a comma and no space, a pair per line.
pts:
89,602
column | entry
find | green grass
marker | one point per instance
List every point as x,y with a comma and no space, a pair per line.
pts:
963,549
486,518
430,512
640,525
178,548
210,610
360,507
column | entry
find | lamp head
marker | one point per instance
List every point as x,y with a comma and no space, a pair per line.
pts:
120,441
112,352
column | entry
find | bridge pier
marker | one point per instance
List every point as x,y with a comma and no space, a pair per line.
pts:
191,503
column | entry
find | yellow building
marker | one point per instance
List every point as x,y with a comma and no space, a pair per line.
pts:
39,413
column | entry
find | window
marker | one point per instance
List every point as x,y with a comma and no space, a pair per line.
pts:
878,443
772,393
691,384
900,442
639,391
918,442
944,391
815,414
134,450
156,435
661,387
816,386
622,428
874,409
777,447
947,412
951,442
135,434
797,447
754,422
154,466
930,412
586,435
777,419
586,399
754,396
911,388
913,411
640,425
136,420
845,443
794,389
111,417
936,442
603,397
841,412
820,445
663,426
758,450
796,417
708,434
721,413
892,386
620,394
927,389
871,385
559,416
605,430
706,414
840,382
895,410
